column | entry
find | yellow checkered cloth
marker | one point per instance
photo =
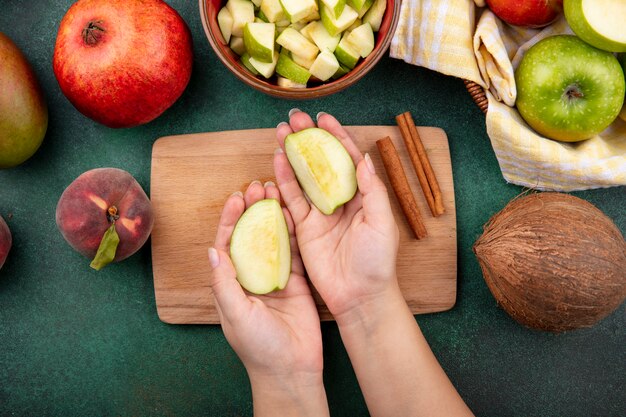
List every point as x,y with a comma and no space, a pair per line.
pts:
464,39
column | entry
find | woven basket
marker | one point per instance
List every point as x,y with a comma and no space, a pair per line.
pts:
478,95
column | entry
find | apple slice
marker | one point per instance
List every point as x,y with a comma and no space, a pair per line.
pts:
336,6
237,45
225,22
259,40
365,8
325,65
242,12
600,23
341,71
295,42
289,69
336,25
303,62
362,40
346,54
320,36
259,248
286,82
374,15
298,9
323,168
245,60
266,69
272,10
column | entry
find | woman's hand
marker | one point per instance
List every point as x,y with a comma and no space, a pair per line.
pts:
277,336
350,256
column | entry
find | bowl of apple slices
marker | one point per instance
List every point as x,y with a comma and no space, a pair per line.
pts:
299,49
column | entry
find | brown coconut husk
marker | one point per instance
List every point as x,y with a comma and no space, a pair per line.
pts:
553,261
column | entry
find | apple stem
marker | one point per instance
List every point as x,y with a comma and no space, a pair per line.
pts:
573,92
112,215
91,33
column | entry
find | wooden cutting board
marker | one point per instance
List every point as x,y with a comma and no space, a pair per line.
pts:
192,175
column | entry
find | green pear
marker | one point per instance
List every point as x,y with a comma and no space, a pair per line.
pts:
23,111
260,248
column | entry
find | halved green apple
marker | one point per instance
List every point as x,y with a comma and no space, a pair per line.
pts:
600,23
259,248
323,168
259,40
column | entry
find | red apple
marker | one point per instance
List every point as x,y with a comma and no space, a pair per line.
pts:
5,241
122,62
98,201
528,13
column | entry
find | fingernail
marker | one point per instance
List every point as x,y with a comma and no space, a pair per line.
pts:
237,194
320,114
278,151
369,164
269,184
282,124
214,257
254,182
294,111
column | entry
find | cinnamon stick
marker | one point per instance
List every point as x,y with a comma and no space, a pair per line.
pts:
421,163
400,186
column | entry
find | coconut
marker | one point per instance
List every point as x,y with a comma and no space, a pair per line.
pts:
553,261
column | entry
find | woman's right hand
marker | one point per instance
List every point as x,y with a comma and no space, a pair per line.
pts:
350,256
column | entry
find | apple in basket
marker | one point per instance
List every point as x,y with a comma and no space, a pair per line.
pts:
568,90
529,13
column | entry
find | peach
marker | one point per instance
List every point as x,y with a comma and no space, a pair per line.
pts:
5,241
95,201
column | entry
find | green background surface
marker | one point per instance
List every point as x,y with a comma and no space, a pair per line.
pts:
75,342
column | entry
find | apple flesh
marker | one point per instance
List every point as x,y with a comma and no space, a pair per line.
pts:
260,248
122,63
527,13
598,22
23,111
323,168
568,90
5,241
99,199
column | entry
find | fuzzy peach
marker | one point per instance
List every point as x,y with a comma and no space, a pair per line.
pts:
99,200
5,241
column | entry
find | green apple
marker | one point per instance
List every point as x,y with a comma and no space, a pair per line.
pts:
362,39
286,82
622,59
346,54
266,69
325,65
320,36
568,90
260,248
225,22
287,68
298,9
323,168
374,15
336,6
366,7
23,111
259,40
245,60
237,45
242,12
296,43
341,71
336,25
272,10
598,22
